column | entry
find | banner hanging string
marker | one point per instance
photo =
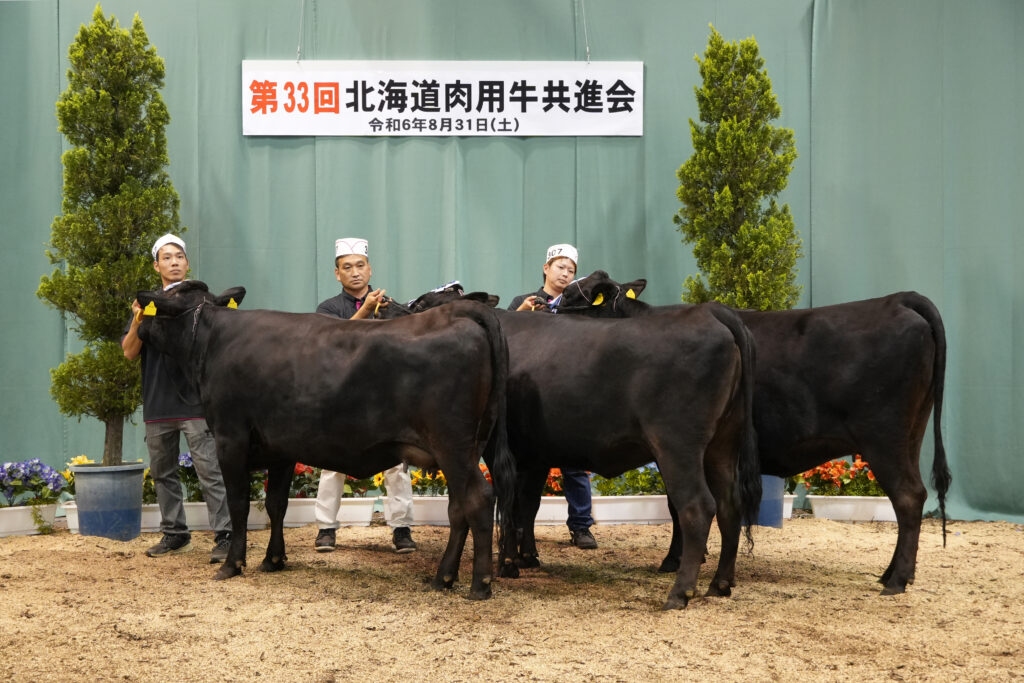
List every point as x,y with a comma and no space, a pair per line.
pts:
302,11
581,8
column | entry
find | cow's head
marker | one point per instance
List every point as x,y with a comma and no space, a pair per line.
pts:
170,319
597,295
445,295
391,311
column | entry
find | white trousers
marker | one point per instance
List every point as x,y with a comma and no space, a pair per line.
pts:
332,486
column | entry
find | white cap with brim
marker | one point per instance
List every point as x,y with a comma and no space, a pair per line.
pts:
349,246
559,250
168,239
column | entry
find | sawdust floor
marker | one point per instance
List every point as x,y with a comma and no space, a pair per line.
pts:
806,607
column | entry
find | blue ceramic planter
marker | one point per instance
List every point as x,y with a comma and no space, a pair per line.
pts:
109,500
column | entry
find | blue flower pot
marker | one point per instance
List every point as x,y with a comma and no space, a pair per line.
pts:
109,500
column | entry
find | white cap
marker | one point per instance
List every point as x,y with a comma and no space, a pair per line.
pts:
168,239
559,250
347,246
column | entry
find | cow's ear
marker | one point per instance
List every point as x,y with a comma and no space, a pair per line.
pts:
633,289
230,297
602,293
483,297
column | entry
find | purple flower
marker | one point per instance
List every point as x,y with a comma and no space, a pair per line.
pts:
30,482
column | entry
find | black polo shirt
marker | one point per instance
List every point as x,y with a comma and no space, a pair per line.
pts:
343,306
166,392
540,293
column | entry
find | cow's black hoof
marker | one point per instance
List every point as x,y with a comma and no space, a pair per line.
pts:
673,603
226,572
719,589
268,565
509,570
483,593
441,583
893,590
669,565
528,561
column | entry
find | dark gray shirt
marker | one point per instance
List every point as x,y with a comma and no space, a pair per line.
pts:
343,306
540,293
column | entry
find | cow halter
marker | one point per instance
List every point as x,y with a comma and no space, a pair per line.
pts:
195,320
598,301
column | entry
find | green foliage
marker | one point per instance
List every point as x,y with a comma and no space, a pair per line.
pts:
192,490
745,244
99,382
117,200
638,482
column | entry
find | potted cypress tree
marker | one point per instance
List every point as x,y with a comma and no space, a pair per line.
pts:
744,242
117,199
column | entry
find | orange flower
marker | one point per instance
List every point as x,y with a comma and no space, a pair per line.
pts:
840,477
553,485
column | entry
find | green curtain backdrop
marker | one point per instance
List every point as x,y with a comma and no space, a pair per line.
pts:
907,119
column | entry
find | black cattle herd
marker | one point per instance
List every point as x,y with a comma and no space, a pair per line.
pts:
713,396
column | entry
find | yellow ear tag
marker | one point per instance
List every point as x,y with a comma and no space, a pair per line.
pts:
232,303
150,309
598,300
631,294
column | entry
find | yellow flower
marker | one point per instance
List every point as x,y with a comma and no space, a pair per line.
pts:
378,479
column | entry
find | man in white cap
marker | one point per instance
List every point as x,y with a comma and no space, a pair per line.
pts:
171,407
357,300
559,271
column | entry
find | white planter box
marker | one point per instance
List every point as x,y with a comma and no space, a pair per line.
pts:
630,510
19,520
196,517
787,506
351,512
433,510
853,508
553,511
426,510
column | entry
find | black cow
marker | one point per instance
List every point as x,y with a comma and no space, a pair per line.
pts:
348,395
860,377
608,396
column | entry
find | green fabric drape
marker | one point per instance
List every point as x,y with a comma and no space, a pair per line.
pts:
907,120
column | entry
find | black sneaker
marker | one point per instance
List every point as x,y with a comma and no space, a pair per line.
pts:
324,541
402,538
583,539
221,543
171,544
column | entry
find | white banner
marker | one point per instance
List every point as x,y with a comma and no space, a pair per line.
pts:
385,98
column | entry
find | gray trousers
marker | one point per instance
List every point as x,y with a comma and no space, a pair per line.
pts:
162,441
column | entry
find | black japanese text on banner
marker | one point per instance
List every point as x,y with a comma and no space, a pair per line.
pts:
321,97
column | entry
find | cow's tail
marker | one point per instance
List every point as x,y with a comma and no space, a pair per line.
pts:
749,463
941,476
497,454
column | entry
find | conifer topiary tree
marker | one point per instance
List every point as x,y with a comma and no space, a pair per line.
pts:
117,200
744,242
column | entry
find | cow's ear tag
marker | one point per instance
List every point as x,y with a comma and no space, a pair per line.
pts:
150,309
232,303
598,300
630,294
